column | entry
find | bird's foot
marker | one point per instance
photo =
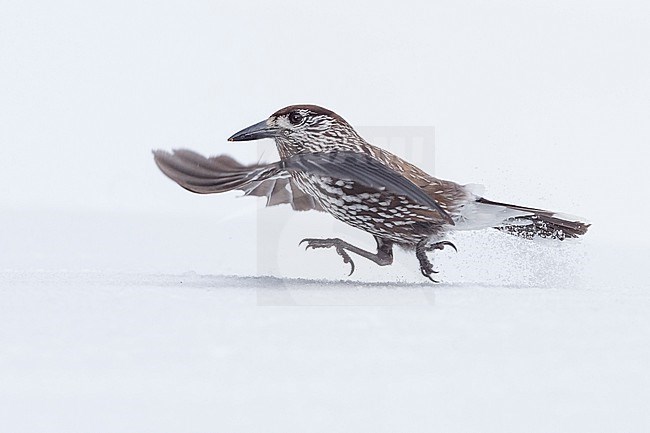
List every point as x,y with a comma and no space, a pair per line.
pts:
425,264
329,243
426,267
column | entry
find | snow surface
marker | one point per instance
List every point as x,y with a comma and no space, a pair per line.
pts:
520,336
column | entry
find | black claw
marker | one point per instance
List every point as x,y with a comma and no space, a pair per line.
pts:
428,274
451,245
441,245
346,258
311,243
328,243
351,267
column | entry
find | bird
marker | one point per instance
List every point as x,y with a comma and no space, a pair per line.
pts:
325,165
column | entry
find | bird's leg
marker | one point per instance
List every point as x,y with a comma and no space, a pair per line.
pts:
383,257
421,253
425,265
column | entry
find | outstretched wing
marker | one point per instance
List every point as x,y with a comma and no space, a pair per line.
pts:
202,175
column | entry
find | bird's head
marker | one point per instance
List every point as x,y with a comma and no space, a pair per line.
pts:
303,129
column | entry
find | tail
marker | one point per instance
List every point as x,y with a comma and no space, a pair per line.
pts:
529,222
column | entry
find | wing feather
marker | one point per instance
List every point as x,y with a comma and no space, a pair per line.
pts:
222,173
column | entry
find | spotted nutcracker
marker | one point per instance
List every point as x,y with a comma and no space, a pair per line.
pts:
326,166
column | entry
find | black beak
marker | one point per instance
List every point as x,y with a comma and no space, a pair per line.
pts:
255,132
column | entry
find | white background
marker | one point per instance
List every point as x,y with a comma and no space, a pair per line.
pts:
115,314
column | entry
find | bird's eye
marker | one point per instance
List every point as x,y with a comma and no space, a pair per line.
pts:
295,118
